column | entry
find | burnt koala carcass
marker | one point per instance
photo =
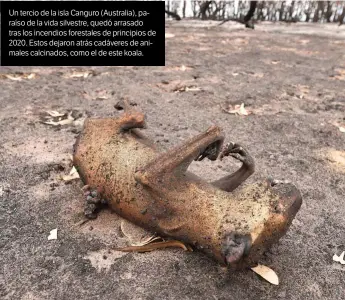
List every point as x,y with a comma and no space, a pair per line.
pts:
232,224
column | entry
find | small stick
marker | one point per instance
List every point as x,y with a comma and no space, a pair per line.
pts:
82,222
154,246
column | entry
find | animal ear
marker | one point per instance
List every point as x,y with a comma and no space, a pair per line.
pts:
119,105
123,104
131,120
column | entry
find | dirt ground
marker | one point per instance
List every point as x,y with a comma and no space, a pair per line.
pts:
292,79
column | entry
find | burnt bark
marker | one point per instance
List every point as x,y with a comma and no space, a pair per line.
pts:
214,14
329,12
203,9
245,20
291,10
173,14
318,9
184,9
250,12
260,11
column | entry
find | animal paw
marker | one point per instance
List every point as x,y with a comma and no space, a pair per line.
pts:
238,152
93,201
211,152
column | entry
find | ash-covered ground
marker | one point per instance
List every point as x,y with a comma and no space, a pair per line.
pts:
292,80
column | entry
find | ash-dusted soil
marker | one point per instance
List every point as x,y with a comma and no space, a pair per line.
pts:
292,78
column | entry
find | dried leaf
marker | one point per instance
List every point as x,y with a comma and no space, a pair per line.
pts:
97,95
304,90
178,86
154,246
340,75
178,68
67,121
339,258
13,77
169,35
185,68
237,109
340,126
52,234
73,174
137,235
187,89
84,74
79,122
192,89
54,113
62,122
266,273
18,76
68,178
73,171
243,111
147,241
301,87
133,232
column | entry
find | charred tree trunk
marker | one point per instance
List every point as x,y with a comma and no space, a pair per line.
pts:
184,9
194,9
329,12
281,11
173,14
260,13
214,14
251,11
246,19
341,17
317,11
203,9
307,15
291,10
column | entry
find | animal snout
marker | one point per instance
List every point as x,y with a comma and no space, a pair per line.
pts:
235,247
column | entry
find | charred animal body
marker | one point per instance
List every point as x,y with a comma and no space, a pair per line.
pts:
233,225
